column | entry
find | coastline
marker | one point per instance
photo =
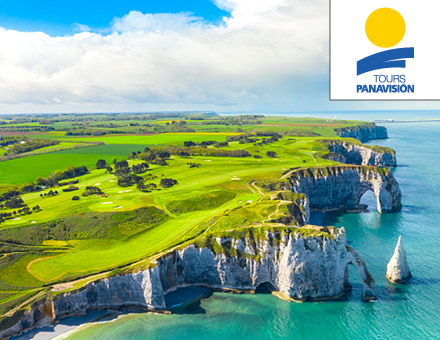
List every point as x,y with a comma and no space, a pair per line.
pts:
100,297
65,325
72,324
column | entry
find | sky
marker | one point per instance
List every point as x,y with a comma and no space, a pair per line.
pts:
139,56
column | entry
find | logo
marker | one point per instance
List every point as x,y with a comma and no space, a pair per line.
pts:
385,28
384,50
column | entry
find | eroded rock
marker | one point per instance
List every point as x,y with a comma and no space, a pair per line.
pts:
398,268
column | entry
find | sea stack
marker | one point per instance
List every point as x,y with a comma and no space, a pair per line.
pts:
398,269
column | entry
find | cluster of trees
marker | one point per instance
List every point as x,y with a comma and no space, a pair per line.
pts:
200,151
240,120
140,168
181,122
146,187
271,154
194,165
24,211
9,140
27,128
58,175
13,191
41,183
101,164
91,190
70,188
205,144
50,193
265,141
30,145
92,132
13,203
127,175
153,156
167,182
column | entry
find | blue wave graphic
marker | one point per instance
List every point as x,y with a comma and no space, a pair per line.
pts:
385,59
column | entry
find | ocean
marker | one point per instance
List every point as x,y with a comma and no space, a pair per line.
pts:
410,311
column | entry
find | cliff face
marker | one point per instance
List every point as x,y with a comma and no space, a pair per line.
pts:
299,267
363,133
350,153
341,188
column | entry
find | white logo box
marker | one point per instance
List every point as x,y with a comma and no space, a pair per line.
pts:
349,44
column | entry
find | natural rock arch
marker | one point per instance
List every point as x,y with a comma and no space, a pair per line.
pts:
340,188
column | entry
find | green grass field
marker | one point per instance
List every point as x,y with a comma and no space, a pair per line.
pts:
220,183
69,239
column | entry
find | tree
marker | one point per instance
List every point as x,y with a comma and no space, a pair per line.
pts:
160,161
101,164
271,154
109,169
150,156
141,186
151,186
113,160
164,154
189,144
123,172
136,179
121,164
167,182
133,155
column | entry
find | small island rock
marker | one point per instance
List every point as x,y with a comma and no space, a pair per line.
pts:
398,269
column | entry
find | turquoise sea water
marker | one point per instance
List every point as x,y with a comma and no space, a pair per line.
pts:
409,311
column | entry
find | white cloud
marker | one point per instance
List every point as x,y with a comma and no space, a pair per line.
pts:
81,28
266,56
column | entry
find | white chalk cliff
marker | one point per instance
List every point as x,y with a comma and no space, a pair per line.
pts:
342,187
398,268
299,267
363,133
352,153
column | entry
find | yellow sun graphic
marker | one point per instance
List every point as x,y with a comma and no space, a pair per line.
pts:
385,27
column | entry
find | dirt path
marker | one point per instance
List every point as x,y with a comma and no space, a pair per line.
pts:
278,206
287,174
259,191
168,212
28,301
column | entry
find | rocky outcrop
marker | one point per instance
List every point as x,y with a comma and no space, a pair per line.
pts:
358,154
299,208
363,133
300,263
341,188
398,268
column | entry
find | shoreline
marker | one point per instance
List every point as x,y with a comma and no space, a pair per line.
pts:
65,325
71,324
